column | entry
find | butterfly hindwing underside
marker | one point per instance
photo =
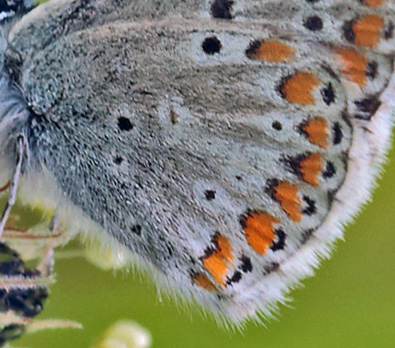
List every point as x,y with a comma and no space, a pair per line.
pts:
223,142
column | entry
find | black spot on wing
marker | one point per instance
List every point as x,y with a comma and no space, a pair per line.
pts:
371,70
310,206
246,265
211,45
136,229
328,94
348,32
236,277
210,194
277,125
222,9
337,133
124,124
253,48
389,31
313,23
279,244
329,171
118,160
367,107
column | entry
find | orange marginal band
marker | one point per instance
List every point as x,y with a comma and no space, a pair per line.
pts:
353,65
367,30
310,167
287,195
373,3
298,88
259,230
316,131
217,262
202,281
269,50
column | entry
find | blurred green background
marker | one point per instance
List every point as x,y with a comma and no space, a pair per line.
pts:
349,303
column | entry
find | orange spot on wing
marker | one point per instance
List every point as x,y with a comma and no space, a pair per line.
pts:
202,280
310,167
367,30
224,247
316,131
287,195
259,230
353,65
299,88
218,260
373,3
269,50
217,266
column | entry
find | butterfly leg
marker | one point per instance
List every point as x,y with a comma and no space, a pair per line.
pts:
21,142
47,263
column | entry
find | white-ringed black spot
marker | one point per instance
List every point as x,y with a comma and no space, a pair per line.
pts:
211,45
246,265
239,178
329,171
118,160
222,9
389,31
279,244
371,70
124,124
310,206
236,277
313,23
328,94
277,125
337,133
312,1
136,229
210,194
367,107
348,32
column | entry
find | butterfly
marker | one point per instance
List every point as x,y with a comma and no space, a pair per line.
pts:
221,144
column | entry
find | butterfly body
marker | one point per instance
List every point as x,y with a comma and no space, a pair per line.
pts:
220,142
